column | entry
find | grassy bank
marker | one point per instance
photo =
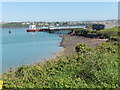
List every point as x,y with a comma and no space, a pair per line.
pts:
14,25
111,34
86,68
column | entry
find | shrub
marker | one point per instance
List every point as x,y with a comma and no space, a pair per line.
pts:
82,48
88,68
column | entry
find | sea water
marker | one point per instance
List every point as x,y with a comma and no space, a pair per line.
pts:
23,48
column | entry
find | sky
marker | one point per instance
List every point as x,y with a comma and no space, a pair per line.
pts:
58,11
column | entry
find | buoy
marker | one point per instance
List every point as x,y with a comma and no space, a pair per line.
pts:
9,31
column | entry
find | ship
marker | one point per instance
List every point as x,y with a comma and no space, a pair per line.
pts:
32,28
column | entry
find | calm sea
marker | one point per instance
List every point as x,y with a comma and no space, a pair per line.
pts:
24,48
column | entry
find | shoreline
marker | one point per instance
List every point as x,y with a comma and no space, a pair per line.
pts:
69,42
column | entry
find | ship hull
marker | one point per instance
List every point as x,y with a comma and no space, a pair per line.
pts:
33,30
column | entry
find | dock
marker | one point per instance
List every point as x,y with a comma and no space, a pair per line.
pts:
58,30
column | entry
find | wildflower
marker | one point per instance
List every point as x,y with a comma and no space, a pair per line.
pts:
1,82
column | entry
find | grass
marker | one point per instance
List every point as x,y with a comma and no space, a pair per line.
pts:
111,34
111,29
87,68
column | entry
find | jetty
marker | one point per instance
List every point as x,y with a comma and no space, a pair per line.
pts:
58,30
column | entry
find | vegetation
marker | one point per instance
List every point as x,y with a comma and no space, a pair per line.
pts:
87,68
81,31
112,34
14,24
113,29
89,26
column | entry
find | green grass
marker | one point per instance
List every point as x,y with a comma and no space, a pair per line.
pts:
111,34
112,29
87,68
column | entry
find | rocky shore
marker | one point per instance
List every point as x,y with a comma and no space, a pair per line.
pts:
70,41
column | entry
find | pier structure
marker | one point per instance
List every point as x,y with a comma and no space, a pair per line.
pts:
58,30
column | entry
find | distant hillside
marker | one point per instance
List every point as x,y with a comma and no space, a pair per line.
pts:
15,24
